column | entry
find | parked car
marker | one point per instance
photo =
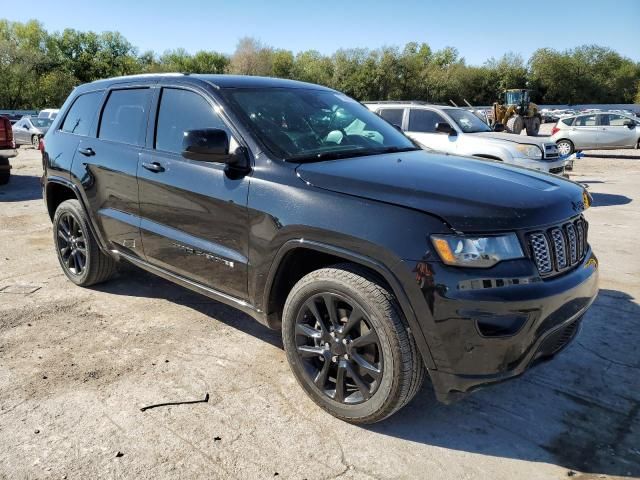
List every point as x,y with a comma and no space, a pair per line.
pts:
591,131
29,130
48,113
456,130
295,204
7,149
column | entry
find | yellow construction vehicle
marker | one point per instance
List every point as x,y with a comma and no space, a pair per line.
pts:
516,111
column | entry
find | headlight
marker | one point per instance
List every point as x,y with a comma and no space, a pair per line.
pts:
530,151
477,252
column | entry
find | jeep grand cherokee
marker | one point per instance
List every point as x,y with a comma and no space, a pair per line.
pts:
297,205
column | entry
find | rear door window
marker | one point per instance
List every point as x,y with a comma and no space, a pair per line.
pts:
124,118
586,121
423,120
82,113
181,111
392,115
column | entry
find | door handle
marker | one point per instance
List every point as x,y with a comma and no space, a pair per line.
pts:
87,152
153,167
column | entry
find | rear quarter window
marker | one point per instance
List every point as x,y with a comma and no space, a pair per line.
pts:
82,113
392,115
568,121
124,117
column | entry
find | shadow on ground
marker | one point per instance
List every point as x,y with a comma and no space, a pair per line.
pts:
617,156
580,410
609,199
21,188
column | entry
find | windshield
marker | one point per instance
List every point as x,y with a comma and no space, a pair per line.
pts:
513,98
310,125
42,122
467,121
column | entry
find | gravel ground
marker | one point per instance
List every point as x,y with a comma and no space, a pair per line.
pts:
76,366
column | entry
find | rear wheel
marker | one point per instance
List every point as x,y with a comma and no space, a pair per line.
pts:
515,124
348,345
78,252
565,147
533,127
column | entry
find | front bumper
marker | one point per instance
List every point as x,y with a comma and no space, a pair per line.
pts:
490,325
547,166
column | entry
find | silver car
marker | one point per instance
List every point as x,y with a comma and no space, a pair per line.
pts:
29,130
596,131
458,131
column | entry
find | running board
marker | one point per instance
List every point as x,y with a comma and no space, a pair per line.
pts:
230,300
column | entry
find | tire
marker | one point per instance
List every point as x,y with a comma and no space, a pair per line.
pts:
377,349
5,171
35,141
515,124
533,127
565,147
78,252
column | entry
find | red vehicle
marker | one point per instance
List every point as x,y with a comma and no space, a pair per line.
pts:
7,149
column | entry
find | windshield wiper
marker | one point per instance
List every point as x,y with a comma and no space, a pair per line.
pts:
335,155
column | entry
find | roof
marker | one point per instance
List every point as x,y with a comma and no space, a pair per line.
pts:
218,81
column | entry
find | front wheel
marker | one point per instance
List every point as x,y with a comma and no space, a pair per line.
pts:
348,345
78,252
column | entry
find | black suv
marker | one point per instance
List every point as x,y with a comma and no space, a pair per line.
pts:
297,205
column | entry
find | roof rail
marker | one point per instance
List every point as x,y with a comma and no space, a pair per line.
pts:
408,102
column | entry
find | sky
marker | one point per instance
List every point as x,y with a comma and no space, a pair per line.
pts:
478,29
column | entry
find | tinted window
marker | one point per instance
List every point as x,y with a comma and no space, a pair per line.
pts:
124,118
586,121
423,120
568,121
180,111
82,113
392,115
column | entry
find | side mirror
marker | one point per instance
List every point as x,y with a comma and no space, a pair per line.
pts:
498,127
444,127
212,145
207,145
629,123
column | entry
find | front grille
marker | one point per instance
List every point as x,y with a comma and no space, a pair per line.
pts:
560,247
551,151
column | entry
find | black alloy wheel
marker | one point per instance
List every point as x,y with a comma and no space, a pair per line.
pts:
339,348
71,244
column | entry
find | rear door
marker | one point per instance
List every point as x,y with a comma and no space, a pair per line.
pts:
21,132
110,164
395,116
614,133
78,124
194,216
584,132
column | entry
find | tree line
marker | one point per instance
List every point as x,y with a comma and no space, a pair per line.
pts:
38,69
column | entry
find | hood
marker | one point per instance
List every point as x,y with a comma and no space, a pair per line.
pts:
470,195
511,137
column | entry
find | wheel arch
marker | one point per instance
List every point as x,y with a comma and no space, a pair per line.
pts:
58,190
289,266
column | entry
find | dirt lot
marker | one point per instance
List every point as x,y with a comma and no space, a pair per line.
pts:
76,366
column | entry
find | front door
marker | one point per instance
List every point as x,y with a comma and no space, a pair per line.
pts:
421,127
614,133
194,216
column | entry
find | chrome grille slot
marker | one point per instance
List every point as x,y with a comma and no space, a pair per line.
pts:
558,248
540,249
573,242
580,229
